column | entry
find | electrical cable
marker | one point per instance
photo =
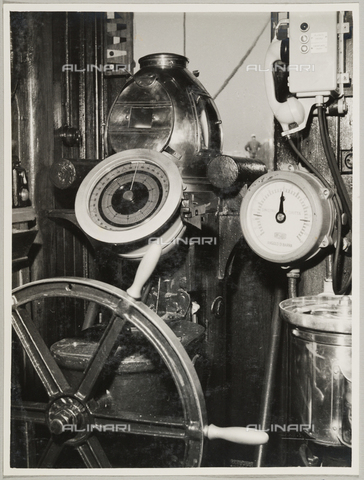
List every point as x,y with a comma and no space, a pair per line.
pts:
306,163
184,33
339,209
342,191
248,52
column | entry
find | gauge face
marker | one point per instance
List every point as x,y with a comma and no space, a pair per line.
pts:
280,217
129,196
287,216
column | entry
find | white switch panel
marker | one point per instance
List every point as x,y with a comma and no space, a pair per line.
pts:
312,53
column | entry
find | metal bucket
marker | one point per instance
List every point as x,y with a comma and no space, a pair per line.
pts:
320,366
134,379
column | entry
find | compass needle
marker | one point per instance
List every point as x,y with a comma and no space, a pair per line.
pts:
135,172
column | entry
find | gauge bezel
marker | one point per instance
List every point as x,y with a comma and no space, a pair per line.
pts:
323,216
175,231
146,228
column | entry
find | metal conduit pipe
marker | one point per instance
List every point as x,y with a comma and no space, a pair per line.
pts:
265,413
226,172
293,276
269,377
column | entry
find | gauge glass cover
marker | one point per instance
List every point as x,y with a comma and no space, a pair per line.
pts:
129,196
287,217
285,231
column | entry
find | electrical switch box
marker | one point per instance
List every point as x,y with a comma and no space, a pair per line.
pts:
313,53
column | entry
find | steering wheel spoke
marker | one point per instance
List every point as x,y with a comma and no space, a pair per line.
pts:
34,412
106,344
93,455
51,454
38,353
142,424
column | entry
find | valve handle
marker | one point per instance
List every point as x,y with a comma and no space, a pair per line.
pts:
241,435
145,270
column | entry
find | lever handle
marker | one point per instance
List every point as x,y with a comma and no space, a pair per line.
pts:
241,435
145,270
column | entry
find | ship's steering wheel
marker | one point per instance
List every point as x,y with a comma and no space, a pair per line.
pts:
68,404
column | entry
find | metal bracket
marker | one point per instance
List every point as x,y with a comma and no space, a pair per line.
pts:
343,78
192,211
343,28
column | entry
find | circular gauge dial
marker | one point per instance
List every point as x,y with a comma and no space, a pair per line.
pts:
287,216
280,216
129,196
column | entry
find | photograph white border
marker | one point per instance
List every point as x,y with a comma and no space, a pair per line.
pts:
203,472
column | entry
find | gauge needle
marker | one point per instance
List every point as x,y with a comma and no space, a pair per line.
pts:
129,194
281,216
132,182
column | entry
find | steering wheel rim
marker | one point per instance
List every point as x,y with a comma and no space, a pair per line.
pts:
124,309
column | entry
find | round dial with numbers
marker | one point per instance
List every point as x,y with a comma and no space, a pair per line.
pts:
129,196
287,216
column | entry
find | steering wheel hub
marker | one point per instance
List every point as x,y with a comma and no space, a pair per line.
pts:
66,414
